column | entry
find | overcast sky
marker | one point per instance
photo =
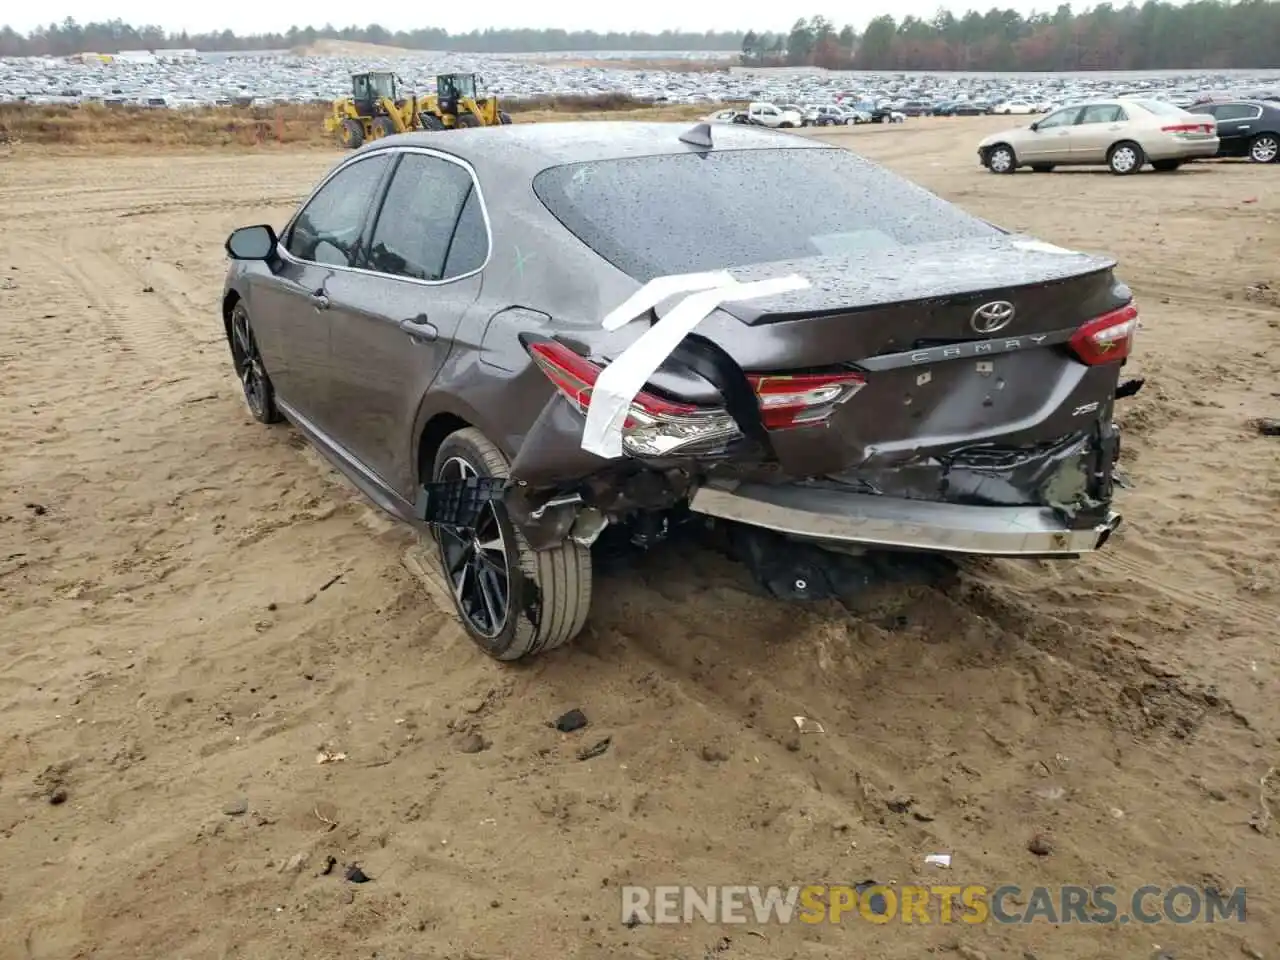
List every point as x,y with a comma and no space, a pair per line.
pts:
254,16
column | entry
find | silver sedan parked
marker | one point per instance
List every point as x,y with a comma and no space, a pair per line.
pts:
1123,134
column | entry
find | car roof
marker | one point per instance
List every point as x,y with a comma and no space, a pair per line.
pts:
536,146
1248,101
1111,102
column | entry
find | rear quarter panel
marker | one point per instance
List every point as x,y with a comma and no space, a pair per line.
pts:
539,279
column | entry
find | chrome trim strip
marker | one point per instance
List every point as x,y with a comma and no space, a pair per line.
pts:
377,489
899,524
382,152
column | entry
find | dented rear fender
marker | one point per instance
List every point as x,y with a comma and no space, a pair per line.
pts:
552,454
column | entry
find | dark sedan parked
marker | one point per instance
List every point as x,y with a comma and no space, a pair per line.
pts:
877,114
1246,128
516,337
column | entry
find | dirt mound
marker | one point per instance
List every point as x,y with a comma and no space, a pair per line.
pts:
123,129
355,48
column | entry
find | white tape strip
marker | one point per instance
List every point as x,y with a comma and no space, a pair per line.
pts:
626,376
1039,246
657,290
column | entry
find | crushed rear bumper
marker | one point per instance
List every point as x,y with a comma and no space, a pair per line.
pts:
880,522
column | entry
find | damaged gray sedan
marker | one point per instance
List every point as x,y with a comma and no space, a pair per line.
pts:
521,338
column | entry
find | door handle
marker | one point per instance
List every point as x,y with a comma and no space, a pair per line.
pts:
319,299
1245,126
420,329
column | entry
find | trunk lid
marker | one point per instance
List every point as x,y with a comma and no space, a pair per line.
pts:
940,375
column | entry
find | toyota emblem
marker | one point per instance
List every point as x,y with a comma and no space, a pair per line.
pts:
991,317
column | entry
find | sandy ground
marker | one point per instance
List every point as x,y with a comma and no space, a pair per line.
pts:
195,606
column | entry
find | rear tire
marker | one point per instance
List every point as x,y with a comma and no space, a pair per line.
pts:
1001,159
1125,158
383,127
548,592
1165,166
1264,148
429,121
467,119
504,118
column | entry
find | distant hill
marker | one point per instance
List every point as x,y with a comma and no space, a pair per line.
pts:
352,48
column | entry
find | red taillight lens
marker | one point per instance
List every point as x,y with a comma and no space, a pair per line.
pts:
802,400
575,375
654,427
572,374
1190,128
1108,338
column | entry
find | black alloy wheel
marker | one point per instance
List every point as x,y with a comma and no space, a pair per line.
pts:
258,392
477,562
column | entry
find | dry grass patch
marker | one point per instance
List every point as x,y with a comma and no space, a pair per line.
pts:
114,128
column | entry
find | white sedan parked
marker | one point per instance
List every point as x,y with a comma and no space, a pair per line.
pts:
1015,107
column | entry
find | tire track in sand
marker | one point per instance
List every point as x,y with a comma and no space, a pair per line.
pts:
150,332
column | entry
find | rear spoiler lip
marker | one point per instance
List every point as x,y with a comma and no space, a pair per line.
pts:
757,313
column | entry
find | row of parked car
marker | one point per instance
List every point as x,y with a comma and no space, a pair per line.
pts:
1128,133
788,115
1124,133
848,112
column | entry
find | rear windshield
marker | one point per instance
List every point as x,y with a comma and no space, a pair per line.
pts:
685,213
1160,108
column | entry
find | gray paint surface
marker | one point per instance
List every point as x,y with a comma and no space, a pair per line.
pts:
367,389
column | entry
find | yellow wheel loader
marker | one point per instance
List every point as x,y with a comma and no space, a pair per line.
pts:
377,109
457,104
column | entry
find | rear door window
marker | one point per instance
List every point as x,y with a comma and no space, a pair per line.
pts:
1102,113
470,246
419,215
328,228
1238,111
681,213
1160,108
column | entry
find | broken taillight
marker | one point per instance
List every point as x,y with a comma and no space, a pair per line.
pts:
802,399
655,426
1108,338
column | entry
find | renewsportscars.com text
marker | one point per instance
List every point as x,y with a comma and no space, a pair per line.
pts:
938,904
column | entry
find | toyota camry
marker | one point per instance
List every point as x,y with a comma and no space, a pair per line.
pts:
518,338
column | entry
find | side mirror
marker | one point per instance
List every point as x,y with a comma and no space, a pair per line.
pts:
252,243
1035,126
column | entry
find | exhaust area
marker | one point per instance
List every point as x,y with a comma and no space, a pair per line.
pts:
1108,528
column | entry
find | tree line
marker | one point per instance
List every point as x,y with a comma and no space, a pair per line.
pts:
68,37
1155,35
1212,34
